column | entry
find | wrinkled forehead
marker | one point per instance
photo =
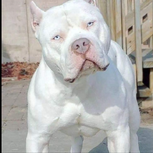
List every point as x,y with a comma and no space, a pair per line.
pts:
70,12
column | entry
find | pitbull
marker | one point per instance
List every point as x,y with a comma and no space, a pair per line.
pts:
84,83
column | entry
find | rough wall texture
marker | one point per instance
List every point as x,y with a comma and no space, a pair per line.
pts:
18,41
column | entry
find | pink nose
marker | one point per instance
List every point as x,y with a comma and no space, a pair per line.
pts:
81,45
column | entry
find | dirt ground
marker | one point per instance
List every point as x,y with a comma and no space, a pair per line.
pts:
18,70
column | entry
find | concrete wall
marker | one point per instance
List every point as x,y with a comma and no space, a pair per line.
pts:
18,41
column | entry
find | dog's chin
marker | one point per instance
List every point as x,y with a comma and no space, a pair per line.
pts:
87,72
87,69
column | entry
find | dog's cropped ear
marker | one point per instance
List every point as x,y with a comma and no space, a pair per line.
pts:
91,2
37,15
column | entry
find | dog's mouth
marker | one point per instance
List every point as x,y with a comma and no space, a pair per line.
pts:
87,68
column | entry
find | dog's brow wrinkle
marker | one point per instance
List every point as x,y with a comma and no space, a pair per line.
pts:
68,20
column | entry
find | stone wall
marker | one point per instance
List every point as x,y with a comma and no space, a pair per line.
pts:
18,41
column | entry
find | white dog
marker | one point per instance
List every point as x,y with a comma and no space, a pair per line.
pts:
74,90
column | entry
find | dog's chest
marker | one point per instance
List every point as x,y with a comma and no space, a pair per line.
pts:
79,120
78,129
79,123
85,114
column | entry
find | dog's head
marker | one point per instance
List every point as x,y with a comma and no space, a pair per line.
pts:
74,37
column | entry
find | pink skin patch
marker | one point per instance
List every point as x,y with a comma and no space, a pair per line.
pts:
87,65
81,62
74,65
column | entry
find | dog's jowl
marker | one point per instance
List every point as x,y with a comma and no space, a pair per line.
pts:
84,83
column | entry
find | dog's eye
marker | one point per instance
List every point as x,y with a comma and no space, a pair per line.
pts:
57,37
90,24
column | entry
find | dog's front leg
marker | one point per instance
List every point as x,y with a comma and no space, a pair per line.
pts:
77,144
119,140
37,143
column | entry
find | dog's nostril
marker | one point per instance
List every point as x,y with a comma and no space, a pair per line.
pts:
77,46
85,43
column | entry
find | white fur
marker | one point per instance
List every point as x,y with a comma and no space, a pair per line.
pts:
104,100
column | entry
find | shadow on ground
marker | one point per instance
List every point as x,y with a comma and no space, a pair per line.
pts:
145,136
